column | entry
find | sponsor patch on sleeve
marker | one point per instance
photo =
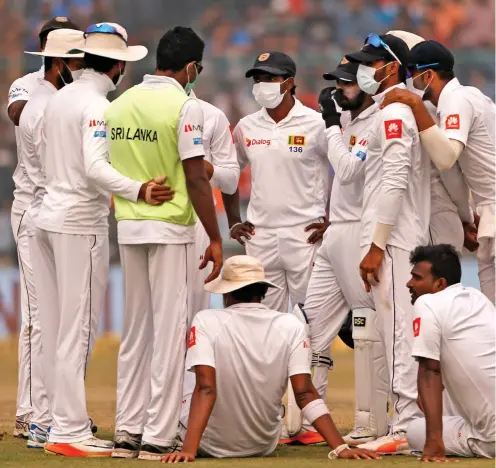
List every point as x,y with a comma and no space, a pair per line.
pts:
394,129
192,337
453,122
416,327
100,134
198,141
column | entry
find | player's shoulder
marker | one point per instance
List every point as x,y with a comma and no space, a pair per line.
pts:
443,301
29,80
209,110
288,324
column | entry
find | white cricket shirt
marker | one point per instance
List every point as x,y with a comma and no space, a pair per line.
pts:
289,167
33,145
457,328
397,179
254,351
348,161
148,231
79,178
20,90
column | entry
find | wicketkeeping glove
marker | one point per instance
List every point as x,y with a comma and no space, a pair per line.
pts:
328,107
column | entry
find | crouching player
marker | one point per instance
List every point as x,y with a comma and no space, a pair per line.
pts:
242,356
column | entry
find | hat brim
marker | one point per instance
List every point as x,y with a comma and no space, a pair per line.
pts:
339,74
265,69
363,57
221,286
131,54
56,55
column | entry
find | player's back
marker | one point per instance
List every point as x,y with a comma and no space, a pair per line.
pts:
252,346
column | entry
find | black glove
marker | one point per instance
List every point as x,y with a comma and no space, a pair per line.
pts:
328,108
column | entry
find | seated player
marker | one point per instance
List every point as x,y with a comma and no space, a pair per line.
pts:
454,343
242,357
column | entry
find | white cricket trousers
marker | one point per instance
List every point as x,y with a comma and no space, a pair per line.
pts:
487,264
395,317
446,227
157,288
31,394
287,259
458,437
200,297
72,272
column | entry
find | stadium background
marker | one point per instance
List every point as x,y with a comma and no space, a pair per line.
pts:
315,32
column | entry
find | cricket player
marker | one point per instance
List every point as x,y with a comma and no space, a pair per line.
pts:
19,94
335,285
156,128
72,232
454,343
63,62
242,356
395,219
285,145
465,135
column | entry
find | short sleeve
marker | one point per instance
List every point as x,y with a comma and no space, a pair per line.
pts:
426,331
240,147
456,117
17,92
200,345
190,130
299,360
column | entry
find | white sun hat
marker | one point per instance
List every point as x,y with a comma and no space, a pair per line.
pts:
110,40
409,38
239,271
63,43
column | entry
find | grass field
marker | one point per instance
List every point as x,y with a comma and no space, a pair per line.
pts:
101,403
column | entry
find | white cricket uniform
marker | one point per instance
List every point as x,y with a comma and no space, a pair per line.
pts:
157,310
468,116
72,235
221,153
396,192
20,90
456,327
254,350
289,191
32,147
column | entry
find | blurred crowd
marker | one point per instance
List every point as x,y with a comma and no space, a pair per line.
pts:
315,32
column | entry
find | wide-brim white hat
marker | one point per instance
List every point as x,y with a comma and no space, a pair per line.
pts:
63,43
112,45
239,271
409,38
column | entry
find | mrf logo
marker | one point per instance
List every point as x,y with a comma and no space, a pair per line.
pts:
97,123
192,128
359,321
255,142
453,122
416,327
192,337
394,129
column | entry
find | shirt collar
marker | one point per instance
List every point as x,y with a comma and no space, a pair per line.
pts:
156,81
450,86
297,110
249,305
101,81
378,98
48,85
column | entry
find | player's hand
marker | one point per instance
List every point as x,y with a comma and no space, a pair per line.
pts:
154,192
179,457
402,96
318,231
476,220
434,451
213,254
470,241
359,454
370,266
209,169
238,231
327,106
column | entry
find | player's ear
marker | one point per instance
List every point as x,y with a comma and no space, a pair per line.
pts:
440,284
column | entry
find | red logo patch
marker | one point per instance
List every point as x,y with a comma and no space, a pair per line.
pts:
394,129
192,337
416,327
305,344
453,122
188,128
231,130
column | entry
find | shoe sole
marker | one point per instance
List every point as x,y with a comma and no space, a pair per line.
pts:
151,456
76,453
363,440
35,445
121,453
399,452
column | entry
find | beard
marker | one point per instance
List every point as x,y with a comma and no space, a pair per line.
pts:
347,103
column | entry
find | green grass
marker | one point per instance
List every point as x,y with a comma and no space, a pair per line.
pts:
101,403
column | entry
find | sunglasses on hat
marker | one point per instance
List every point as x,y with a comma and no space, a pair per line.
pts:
103,28
374,40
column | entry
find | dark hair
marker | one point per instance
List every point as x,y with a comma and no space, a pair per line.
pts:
178,47
402,74
48,62
444,260
249,292
43,38
99,64
446,75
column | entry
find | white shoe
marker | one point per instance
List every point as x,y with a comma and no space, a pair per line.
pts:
392,444
360,435
91,447
22,425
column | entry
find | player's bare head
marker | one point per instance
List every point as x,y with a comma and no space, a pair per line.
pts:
435,267
179,54
431,66
252,293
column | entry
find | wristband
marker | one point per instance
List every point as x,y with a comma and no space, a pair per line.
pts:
337,451
232,227
314,410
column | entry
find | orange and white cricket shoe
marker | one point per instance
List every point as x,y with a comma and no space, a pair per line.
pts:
285,438
308,438
392,444
91,447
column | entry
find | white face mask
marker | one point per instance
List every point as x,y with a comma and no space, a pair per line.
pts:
76,74
366,78
419,92
268,95
122,74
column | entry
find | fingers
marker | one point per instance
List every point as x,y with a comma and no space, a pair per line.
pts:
313,226
315,237
215,272
160,180
363,274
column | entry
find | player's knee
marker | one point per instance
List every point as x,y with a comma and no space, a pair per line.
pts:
416,434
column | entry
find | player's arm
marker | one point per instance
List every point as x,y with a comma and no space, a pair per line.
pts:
224,161
17,98
199,189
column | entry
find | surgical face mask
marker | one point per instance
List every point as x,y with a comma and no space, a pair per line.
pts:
122,73
419,92
65,77
76,74
190,84
366,78
268,95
